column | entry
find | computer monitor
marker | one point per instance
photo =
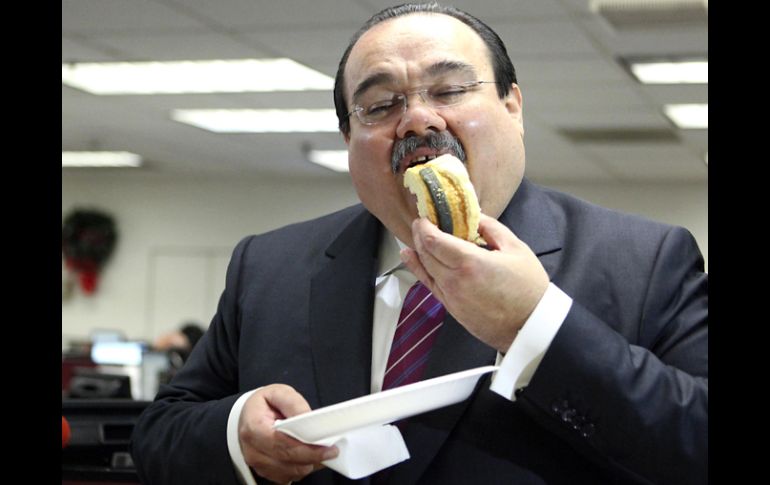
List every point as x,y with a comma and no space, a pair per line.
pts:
117,353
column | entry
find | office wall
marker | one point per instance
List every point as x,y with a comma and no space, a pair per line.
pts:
680,204
176,236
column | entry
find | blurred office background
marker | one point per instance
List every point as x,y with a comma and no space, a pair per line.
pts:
593,129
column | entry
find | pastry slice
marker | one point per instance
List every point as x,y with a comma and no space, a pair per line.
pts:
446,196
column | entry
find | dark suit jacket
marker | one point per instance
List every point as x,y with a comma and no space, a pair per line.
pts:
621,395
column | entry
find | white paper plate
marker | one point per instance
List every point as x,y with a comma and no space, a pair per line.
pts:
383,407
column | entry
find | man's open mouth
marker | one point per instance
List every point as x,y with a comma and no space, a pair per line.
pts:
416,150
420,160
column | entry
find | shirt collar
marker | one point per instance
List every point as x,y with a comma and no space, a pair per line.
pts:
390,259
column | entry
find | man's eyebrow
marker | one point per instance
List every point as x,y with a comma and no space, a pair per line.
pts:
436,69
447,67
372,80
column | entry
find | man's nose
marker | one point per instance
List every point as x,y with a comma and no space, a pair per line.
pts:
419,118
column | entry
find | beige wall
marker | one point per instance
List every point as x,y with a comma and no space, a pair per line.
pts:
176,235
679,204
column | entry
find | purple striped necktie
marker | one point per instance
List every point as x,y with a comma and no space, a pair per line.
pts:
421,317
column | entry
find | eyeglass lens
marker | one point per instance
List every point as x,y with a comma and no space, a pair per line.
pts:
379,105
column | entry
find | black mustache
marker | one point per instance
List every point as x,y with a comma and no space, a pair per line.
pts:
442,140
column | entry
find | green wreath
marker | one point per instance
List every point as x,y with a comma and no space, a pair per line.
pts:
88,239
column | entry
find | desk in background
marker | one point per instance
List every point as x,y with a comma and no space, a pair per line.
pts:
100,432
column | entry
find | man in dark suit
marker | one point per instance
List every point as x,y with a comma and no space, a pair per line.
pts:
597,319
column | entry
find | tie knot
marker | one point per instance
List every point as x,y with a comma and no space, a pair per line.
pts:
417,291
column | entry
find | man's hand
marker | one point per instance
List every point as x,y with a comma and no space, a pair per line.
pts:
272,454
490,292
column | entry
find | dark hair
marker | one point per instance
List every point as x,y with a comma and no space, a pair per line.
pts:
505,74
193,332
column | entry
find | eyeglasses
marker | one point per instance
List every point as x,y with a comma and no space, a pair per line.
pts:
372,112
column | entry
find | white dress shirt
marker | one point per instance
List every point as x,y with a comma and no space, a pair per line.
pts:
516,367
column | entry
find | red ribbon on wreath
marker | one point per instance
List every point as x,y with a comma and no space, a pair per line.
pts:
88,239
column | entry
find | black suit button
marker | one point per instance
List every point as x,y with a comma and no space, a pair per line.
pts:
587,430
578,422
559,405
568,415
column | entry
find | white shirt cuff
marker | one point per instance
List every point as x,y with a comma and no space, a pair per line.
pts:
242,470
531,343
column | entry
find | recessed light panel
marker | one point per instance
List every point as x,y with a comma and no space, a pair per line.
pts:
674,72
259,120
688,116
336,160
185,77
100,159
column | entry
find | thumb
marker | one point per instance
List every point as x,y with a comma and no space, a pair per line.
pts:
286,400
496,234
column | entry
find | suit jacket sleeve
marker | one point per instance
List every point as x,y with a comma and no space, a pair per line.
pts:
181,436
635,397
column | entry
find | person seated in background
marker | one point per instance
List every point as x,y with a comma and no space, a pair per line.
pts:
179,343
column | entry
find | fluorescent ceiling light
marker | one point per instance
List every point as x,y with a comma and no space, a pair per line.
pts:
179,77
100,159
685,72
259,120
336,160
688,116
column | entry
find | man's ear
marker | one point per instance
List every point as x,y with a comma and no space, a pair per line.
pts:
514,105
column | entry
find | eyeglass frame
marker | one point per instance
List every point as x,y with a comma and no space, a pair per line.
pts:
357,109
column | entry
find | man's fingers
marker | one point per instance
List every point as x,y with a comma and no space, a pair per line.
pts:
290,450
447,250
280,472
495,233
412,261
271,453
288,459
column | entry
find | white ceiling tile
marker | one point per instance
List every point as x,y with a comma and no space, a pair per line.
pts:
689,93
583,98
664,162
549,167
654,41
311,44
76,50
580,6
587,69
641,117
289,100
274,14
181,46
560,39
699,138
489,10
550,157
94,16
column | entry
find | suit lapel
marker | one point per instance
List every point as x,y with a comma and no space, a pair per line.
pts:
531,218
341,302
